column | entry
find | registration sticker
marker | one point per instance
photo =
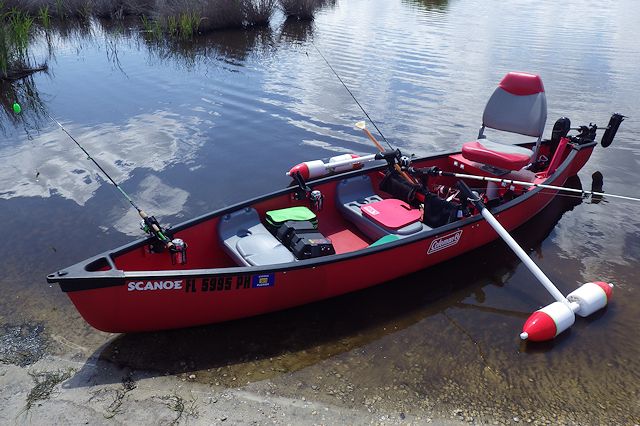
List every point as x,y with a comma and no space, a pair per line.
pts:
263,280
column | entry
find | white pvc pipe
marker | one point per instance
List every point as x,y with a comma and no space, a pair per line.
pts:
535,270
538,185
335,164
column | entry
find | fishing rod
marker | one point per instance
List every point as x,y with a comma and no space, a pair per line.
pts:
362,126
356,100
149,223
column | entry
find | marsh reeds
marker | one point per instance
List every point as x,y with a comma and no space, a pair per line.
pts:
44,16
304,10
259,12
181,18
14,40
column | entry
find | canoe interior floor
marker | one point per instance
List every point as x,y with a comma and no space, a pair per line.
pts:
347,239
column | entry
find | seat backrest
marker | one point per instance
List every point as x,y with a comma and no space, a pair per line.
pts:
518,105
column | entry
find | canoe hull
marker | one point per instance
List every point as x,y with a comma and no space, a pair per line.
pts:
140,300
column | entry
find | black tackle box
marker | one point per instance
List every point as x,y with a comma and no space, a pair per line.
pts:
304,240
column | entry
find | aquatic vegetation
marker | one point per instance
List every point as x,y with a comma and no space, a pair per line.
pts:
172,25
151,26
15,27
218,14
45,384
62,9
259,12
303,9
43,15
181,18
188,23
20,24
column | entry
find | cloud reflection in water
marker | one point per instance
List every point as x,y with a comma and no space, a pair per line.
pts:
152,140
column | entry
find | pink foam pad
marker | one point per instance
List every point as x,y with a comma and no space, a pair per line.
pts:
391,213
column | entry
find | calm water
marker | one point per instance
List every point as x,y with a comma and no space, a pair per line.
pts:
190,127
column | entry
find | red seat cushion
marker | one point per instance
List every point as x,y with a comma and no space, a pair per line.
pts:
391,213
503,156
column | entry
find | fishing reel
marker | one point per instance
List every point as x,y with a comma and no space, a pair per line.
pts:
160,241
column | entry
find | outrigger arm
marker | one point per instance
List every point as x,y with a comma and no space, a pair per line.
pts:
553,319
513,245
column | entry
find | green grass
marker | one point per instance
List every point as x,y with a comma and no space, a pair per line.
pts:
152,27
14,39
188,23
44,16
20,24
60,9
172,25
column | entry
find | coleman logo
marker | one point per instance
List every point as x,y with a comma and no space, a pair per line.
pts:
154,285
445,242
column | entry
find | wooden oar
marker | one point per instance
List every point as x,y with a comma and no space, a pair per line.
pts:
362,126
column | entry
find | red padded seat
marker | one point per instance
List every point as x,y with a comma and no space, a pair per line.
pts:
503,156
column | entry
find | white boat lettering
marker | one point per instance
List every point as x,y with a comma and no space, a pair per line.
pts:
154,285
445,242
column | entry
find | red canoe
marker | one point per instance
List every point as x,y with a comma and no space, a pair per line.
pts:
373,226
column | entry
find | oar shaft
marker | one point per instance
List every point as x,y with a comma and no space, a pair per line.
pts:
537,185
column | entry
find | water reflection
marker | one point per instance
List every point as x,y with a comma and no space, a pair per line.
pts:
153,141
295,31
25,93
232,46
163,200
437,5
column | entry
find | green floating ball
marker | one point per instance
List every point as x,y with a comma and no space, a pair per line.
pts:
17,108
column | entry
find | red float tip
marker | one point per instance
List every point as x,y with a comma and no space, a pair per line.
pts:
539,327
302,168
606,287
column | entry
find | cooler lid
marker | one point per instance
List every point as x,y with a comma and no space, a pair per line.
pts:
391,213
